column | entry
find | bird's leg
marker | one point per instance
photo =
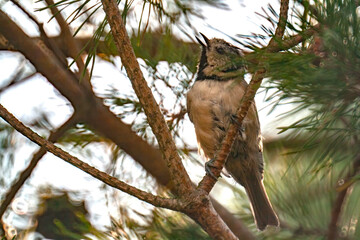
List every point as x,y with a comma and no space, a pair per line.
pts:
208,165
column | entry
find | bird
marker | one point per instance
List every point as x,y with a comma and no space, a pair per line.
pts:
212,103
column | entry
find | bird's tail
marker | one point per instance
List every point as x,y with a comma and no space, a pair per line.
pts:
260,204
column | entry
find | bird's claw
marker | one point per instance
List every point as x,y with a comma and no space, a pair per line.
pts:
235,120
208,165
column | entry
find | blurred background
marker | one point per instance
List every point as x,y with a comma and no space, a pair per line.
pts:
308,108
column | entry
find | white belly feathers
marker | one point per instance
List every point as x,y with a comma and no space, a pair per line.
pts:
208,100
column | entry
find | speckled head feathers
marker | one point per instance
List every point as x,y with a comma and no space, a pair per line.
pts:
219,59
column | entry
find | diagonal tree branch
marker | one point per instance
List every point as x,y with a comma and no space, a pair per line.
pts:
54,136
48,41
15,81
172,204
46,62
73,47
208,182
155,118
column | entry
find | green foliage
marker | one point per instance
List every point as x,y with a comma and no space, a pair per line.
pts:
7,152
4,238
60,218
322,82
161,224
155,46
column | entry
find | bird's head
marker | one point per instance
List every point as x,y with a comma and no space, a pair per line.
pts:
219,60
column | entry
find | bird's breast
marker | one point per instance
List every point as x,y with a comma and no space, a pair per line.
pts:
210,106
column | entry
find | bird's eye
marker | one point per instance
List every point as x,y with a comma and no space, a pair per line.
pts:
220,50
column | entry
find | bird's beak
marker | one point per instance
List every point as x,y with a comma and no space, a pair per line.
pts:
205,38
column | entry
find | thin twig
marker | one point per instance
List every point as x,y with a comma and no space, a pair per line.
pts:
54,136
15,82
208,182
294,40
27,14
102,176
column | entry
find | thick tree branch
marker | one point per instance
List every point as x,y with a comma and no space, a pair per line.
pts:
43,59
155,118
73,47
208,182
44,37
54,136
172,204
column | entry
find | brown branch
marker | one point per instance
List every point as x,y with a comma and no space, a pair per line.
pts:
43,59
44,37
151,160
27,14
335,215
73,47
235,225
15,81
337,208
155,118
280,29
208,182
199,208
54,136
294,40
172,204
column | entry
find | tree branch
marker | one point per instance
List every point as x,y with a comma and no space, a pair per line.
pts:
48,41
208,182
54,136
16,79
73,47
155,118
340,200
172,204
294,40
43,59
280,29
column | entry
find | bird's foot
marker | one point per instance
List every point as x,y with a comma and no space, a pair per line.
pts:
208,165
235,120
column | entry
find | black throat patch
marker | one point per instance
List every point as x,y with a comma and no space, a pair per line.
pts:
202,64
